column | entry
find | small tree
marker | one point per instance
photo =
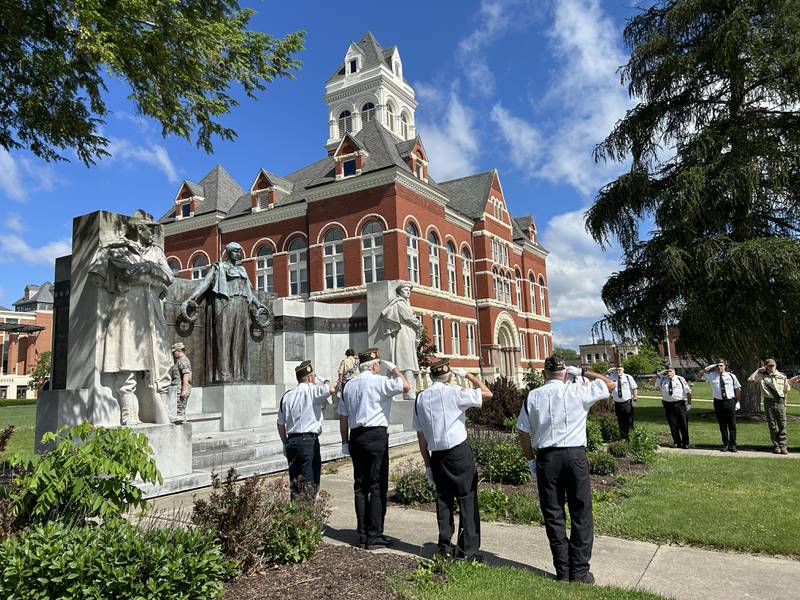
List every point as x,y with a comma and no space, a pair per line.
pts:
533,378
425,349
566,353
600,366
647,361
41,372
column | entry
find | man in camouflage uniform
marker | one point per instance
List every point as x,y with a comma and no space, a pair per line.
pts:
181,375
775,388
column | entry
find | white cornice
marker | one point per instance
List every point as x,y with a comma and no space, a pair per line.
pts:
454,218
262,217
191,223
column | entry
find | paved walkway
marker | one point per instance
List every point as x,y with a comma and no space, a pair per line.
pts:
673,571
739,454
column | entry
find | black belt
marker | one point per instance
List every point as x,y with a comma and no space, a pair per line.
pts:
559,448
308,434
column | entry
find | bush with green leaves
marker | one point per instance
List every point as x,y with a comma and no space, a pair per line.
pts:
294,530
505,403
642,445
609,427
113,560
533,378
602,463
619,449
499,457
496,505
90,472
412,487
594,437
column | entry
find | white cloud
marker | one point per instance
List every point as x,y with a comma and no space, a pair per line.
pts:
14,223
450,138
15,249
524,140
155,155
577,269
10,177
22,176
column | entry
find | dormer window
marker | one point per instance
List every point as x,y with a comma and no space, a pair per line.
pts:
186,210
353,66
349,168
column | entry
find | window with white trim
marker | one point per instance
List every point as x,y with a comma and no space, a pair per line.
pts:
496,285
367,113
404,129
412,252
588,358
546,342
298,267
455,337
542,304
372,251
345,122
519,290
536,353
199,267
466,273
470,339
433,260
390,116
451,268
438,334
333,259
174,266
523,353
532,293
264,277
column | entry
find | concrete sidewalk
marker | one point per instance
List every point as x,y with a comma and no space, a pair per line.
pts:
739,454
678,572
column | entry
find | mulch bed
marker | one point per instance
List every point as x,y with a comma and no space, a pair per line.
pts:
333,573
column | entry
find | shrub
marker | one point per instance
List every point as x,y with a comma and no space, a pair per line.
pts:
594,437
412,486
642,445
499,457
7,528
89,473
510,424
533,378
602,463
524,509
609,427
5,437
505,402
113,560
496,505
255,523
493,503
618,448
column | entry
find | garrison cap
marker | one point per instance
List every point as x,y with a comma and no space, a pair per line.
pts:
371,354
178,346
441,367
554,363
303,369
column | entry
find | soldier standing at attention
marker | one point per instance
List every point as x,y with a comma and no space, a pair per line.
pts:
553,419
774,390
299,425
364,412
181,379
726,391
624,400
439,420
675,392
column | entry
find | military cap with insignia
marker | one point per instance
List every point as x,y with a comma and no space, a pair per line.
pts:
304,369
371,354
554,363
441,367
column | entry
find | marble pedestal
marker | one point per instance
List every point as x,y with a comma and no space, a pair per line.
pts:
172,447
239,403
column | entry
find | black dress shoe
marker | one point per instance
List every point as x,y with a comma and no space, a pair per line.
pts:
378,542
562,576
733,448
588,579
724,448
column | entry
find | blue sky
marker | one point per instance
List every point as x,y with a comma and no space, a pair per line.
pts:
526,87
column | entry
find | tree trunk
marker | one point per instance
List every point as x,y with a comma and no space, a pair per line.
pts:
751,398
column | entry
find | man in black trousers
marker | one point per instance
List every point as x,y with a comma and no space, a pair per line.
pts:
675,392
553,420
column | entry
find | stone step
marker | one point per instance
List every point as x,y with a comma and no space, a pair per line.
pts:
204,422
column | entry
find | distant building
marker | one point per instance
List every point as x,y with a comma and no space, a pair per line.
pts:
685,364
25,333
607,352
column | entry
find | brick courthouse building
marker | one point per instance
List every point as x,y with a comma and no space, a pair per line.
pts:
368,210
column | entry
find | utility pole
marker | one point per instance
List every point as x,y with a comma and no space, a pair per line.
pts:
669,350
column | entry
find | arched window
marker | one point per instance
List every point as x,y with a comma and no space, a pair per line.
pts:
404,129
390,116
466,273
451,268
333,259
542,298
372,251
532,292
264,279
199,266
298,267
345,122
536,351
412,252
496,285
433,260
367,113
174,265
519,290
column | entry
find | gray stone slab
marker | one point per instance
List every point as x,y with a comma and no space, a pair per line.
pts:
239,403
172,447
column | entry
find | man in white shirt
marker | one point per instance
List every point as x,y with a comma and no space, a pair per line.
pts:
625,395
726,391
364,412
553,420
439,420
675,392
299,425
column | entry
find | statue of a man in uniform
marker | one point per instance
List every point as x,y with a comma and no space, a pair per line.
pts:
234,307
404,328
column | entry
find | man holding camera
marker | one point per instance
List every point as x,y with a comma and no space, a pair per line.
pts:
363,423
775,388
727,391
553,420
675,392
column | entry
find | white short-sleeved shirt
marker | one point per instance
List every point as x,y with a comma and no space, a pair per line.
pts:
300,409
731,384
680,389
579,379
556,413
625,386
439,413
367,399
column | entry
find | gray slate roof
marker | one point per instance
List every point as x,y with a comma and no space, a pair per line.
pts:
43,295
219,192
468,195
374,54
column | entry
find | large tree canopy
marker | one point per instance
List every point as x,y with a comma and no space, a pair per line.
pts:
179,57
714,149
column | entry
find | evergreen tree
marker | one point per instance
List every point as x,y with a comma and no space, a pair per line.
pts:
714,150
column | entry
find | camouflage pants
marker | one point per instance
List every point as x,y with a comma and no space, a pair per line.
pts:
776,419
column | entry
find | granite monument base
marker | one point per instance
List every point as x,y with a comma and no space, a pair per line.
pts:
239,404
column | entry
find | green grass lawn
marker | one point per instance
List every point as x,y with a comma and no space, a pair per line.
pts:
466,581
746,504
24,417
